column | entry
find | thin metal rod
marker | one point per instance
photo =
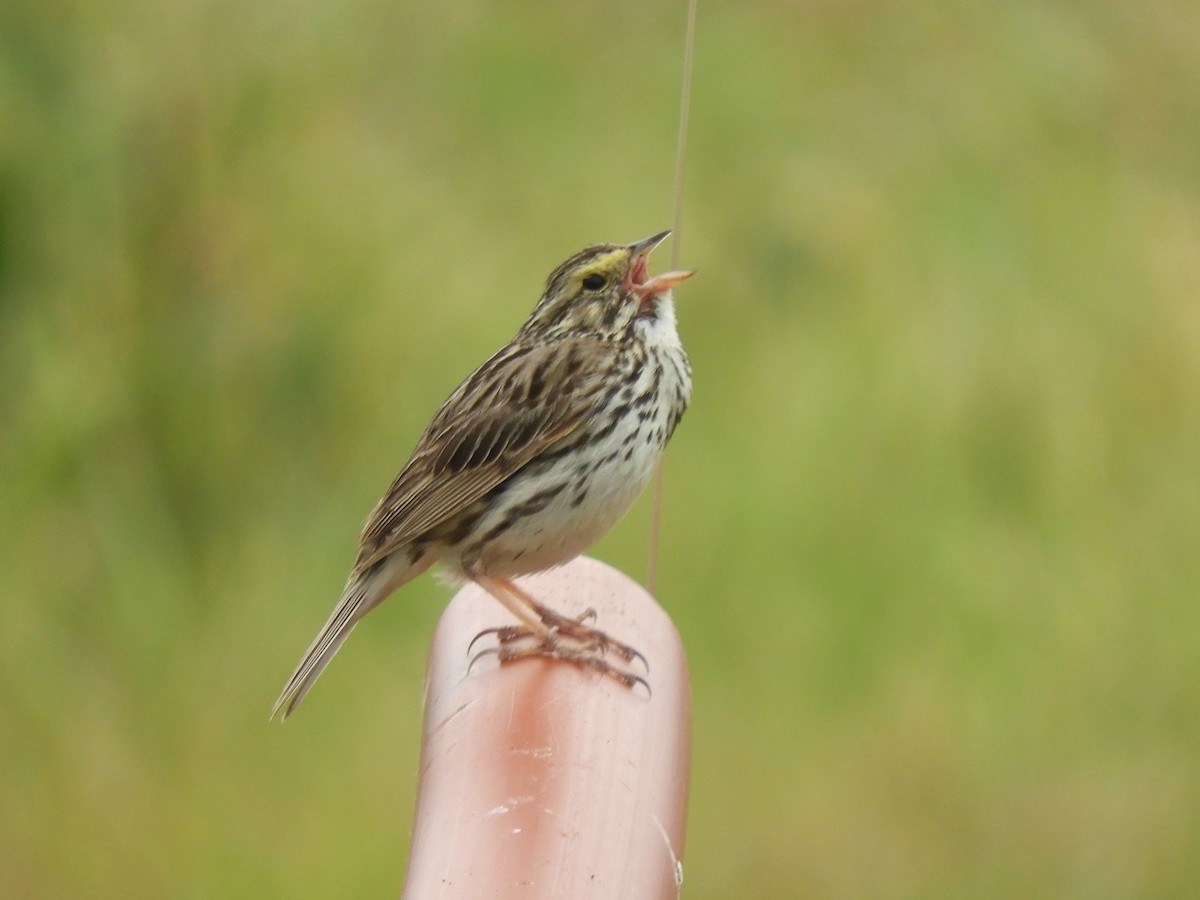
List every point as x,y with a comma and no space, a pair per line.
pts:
685,105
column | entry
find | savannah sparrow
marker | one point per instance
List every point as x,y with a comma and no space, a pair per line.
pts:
532,459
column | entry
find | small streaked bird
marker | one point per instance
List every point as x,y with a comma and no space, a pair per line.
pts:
532,459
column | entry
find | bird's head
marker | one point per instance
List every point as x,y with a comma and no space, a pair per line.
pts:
603,289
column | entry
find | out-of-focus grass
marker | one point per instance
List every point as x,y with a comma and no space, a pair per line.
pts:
932,531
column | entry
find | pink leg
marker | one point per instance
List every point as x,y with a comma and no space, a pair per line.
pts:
546,633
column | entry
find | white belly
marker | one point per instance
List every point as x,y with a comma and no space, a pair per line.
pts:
567,526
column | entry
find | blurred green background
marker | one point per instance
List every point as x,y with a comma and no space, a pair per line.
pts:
931,527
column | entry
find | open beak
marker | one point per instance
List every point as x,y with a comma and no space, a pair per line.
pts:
640,282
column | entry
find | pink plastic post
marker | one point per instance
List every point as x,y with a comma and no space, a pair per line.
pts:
541,779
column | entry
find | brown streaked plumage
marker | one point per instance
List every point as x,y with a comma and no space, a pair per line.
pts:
531,459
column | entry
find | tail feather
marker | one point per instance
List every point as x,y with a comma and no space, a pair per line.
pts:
337,628
365,590
354,604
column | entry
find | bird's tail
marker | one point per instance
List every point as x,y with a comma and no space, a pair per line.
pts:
364,591
356,602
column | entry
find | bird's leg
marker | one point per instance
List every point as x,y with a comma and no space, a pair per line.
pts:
540,621
557,625
553,634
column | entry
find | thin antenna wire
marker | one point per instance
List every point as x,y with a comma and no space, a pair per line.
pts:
685,104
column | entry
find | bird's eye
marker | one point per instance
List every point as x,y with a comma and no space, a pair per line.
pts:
594,282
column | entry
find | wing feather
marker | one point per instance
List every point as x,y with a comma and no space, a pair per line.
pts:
514,407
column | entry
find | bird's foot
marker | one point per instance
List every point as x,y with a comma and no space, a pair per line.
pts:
571,640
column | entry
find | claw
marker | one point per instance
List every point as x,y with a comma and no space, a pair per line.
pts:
570,639
626,678
507,653
475,640
637,654
504,634
486,651
502,655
